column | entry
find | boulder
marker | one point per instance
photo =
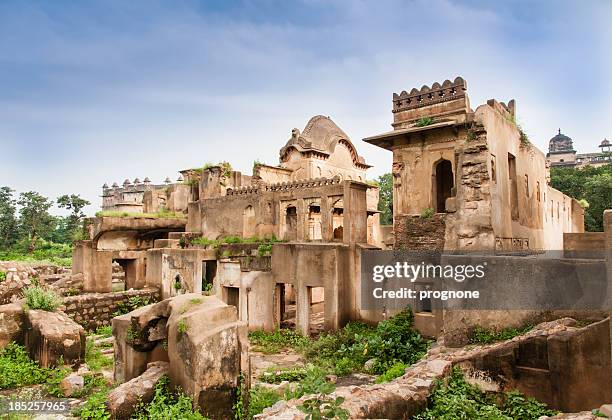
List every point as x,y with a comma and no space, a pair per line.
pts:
51,335
123,400
72,384
12,320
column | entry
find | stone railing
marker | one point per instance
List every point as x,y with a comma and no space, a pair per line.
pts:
286,186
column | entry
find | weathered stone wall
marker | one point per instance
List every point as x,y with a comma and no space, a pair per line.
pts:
93,310
584,245
417,233
17,278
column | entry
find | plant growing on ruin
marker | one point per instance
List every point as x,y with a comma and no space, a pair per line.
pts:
131,304
273,342
482,335
167,405
264,250
260,398
427,213
424,122
182,327
17,369
38,298
104,331
2,276
95,407
324,407
94,358
398,369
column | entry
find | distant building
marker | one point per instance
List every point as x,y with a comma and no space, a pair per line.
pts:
561,153
130,197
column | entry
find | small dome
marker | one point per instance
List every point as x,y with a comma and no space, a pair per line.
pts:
560,143
136,180
605,143
180,178
105,186
167,180
115,185
126,182
147,180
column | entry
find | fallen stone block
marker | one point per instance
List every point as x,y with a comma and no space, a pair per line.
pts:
72,384
51,335
12,318
123,400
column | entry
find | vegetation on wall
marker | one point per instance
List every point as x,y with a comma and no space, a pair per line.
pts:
38,298
592,186
385,198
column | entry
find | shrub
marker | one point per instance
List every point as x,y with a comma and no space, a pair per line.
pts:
323,407
39,298
104,331
131,304
182,327
427,213
261,398
2,276
95,407
167,405
55,377
395,371
424,122
487,336
458,399
94,357
314,382
276,376
17,369
264,249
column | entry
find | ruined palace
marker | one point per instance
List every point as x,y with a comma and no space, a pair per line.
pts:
475,175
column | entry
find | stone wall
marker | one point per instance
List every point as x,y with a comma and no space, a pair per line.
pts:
584,245
93,310
417,233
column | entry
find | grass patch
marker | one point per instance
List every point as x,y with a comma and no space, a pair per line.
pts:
104,331
395,371
17,369
268,343
487,336
94,358
95,407
182,327
2,276
38,298
167,405
424,122
427,213
131,304
457,399
276,376
261,398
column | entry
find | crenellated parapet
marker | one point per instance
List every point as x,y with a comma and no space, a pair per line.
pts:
437,93
285,186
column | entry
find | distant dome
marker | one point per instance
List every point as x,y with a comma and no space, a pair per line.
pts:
136,180
105,186
126,182
560,143
605,143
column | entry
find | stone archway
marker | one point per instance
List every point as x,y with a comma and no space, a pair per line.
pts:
443,184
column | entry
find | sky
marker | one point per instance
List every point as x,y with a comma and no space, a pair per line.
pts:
94,92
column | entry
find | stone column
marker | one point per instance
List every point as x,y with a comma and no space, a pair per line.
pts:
302,309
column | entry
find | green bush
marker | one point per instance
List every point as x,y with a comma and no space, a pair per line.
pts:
2,276
276,376
94,358
167,405
131,304
17,369
104,331
38,298
95,407
395,371
44,251
424,122
427,213
261,398
457,399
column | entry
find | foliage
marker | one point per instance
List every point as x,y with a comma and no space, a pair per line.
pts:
385,198
94,358
104,331
424,122
264,249
266,342
260,398
486,336
458,399
391,341
34,218
427,213
55,377
215,243
38,298
8,219
398,369
167,405
182,327
131,304
2,276
73,222
594,185
323,407
314,382
17,369
276,376
95,407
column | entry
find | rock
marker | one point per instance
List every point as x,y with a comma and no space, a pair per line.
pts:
123,400
369,365
439,367
51,335
72,384
606,410
12,320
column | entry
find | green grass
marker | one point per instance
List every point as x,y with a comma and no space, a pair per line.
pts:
261,398
94,358
167,405
182,327
17,369
457,399
395,371
427,213
95,407
131,304
233,239
45,252
104,331
482,335
38,298
268,343
424,122
2,276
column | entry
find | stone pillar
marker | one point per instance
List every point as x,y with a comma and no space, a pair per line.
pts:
327,231
607,225
301,220
302,309
102,279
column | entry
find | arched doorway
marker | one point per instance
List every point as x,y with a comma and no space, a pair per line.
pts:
443,184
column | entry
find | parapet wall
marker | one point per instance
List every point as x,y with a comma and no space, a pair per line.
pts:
418,233
93,310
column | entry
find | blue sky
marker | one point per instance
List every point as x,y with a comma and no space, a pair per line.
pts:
99,91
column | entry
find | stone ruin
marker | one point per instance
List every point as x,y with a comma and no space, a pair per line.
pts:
474,170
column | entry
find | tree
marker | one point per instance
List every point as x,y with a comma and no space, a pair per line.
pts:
385,198
35,222
592,184
71,224
8,221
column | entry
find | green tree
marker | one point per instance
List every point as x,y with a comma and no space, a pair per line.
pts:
35,222
70,225
593,184
8,220
385,198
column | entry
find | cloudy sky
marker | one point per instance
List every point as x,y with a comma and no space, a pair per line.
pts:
99,91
